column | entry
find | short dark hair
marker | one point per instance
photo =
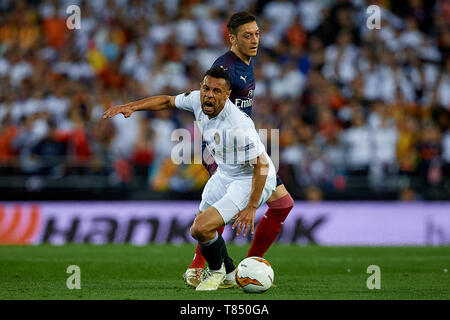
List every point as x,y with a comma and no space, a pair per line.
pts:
238,19
219,73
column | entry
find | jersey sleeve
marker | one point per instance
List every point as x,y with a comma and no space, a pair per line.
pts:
189,101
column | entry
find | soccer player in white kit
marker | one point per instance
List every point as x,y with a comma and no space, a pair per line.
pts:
245,178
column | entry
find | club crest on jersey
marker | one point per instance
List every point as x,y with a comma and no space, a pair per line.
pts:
216,138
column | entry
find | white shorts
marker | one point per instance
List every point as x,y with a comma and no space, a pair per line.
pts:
230,195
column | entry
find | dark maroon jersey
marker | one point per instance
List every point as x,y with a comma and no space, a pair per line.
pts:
242,80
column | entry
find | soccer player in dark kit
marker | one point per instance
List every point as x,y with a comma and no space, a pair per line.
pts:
244,37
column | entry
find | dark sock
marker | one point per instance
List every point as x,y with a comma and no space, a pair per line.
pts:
229,265
199,260
212,251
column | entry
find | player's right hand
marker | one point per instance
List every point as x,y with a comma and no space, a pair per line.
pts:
125,109
244,220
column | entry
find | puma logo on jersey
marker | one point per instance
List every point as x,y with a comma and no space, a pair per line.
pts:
244,78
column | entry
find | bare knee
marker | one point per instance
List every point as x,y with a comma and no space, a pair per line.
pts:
196,232
201,233
206,224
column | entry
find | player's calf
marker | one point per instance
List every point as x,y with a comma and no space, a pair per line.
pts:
204,229
270,225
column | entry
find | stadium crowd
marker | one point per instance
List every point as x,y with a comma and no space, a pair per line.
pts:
355,106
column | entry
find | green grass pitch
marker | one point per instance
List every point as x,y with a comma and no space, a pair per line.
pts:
154,272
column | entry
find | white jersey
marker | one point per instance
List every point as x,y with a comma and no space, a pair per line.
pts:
231,137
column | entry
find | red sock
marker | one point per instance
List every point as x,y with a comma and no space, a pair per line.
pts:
199,261
270,225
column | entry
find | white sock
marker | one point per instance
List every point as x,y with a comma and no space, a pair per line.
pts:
230,275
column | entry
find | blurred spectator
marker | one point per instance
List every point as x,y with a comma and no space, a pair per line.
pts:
339,59
443,87
310,13
50,152
143,153
407,154
8,133
446,147
408,194
280,13
54,24
313,194
357,144
296,35
384,140
430,149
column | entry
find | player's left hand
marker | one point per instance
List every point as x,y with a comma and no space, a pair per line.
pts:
244,219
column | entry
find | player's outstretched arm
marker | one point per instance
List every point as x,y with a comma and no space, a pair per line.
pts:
151,104
245,219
